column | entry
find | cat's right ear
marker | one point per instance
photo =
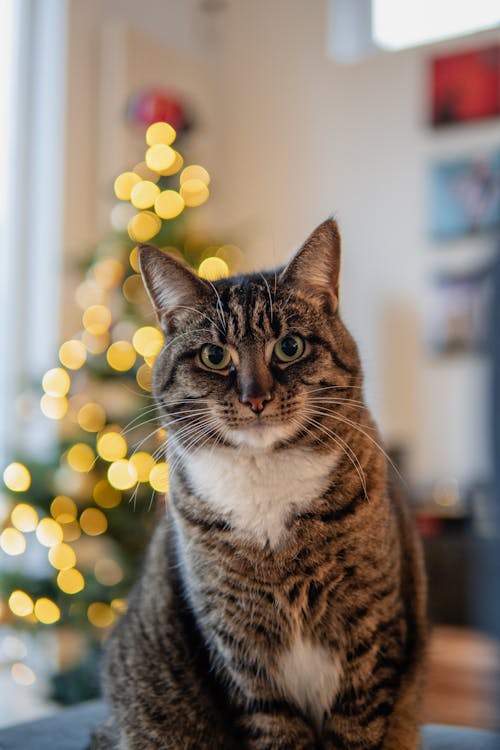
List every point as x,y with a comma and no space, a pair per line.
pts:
173,289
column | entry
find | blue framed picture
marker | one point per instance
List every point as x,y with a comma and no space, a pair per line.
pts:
465,196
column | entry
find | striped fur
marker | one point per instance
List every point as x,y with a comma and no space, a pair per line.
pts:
281,605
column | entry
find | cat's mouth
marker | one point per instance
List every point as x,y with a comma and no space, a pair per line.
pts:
260,433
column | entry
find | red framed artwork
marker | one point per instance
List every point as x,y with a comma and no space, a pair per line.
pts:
466,86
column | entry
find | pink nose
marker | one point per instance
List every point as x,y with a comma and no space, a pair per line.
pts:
257,403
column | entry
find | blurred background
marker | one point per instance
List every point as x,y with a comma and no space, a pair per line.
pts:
381,112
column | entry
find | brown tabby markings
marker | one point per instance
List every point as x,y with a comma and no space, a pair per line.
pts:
282,601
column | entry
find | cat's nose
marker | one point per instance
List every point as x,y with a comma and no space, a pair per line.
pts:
256,403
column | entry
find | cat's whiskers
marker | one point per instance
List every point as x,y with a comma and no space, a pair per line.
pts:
194,433
187,333
269,293
204,315
219,307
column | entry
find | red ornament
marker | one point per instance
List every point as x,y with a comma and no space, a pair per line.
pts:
155,105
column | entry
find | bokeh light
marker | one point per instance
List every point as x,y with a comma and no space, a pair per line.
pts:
169,204
49,532
95,344
148,341
22,674
12,542
108,273
194,192
133,289
143,226
143,463
111,446
17,477
63,509
158,477
20,603
93,522
159,157
96,319
72,354
122,475
100,615
124,184
144,194
134,259
91,417
145,173
62,556
144,377
53,407
105,495
46,611
213,268
160,132
121,356
56,382
108,572
174,167
80,457
24,517
195,172
70,581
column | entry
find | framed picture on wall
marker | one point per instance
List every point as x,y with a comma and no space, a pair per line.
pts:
465,196
457,312
465,86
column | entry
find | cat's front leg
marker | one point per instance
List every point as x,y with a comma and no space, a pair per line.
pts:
276,728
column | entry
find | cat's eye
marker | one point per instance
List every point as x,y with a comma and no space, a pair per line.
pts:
215,357
289,347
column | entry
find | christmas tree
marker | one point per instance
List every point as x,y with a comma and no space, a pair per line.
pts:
76,527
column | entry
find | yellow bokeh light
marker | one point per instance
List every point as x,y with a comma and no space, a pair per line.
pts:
56,382
72,354
63,509
80,457
144,194
111,446
17,477
22,674
160,132
148,341
49,532
71,530
159,157
133,289
12,542
20,603
232,255
145,173
91,417
24,517
158,477
95,344
124,184
54,407
89,293
70,581
174,167
144,377
108,572
143,463
195,172
100,615
108,273
46,611
213,269
119,605
169,204
121,356
143,226
96,319
194,192
122,475
105,495
134,259
93,521
62,556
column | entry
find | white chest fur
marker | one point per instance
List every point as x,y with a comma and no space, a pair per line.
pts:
310,675
258,492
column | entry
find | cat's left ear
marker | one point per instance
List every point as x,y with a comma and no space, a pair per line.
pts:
315,269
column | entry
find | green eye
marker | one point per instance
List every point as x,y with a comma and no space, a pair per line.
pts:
215,357
289,348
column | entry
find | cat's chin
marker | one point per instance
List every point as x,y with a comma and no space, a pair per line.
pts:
260,436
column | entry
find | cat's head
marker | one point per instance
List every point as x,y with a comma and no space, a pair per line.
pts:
252,360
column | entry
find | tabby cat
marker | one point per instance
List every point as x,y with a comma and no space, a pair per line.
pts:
281,605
